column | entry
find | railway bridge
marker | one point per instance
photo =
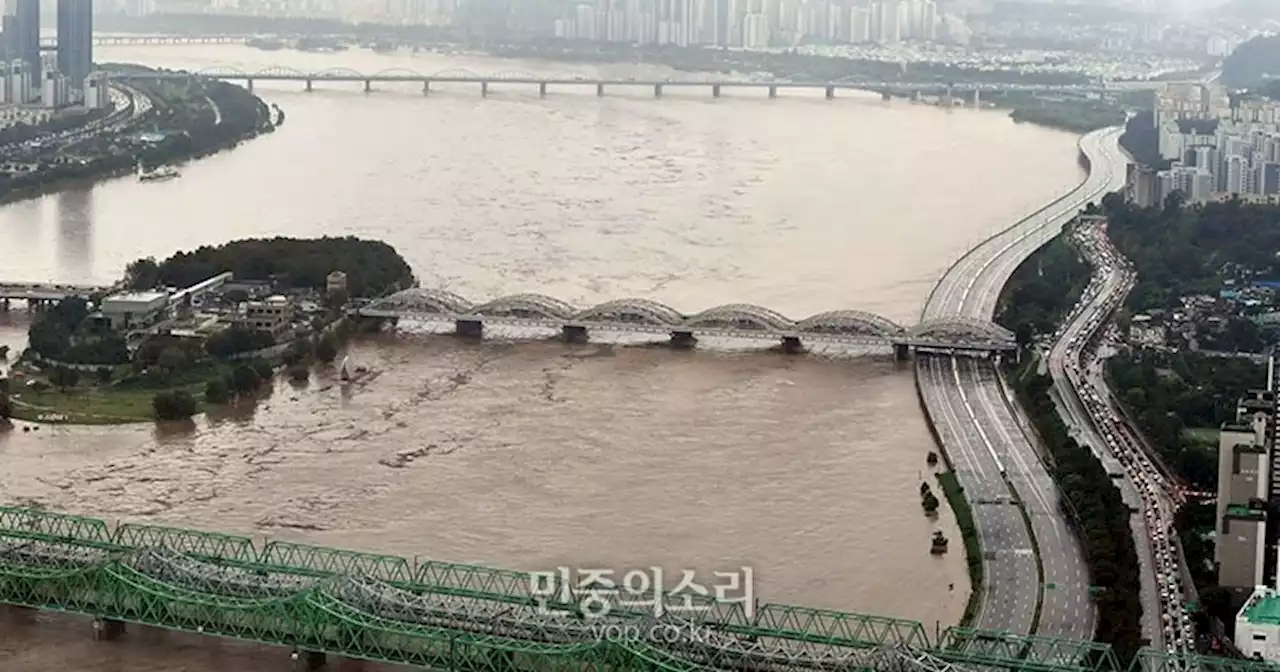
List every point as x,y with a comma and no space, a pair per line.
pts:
323,602
849,327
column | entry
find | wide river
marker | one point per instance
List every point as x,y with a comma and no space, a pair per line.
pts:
531,455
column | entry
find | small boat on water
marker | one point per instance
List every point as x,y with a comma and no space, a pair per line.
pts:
157,174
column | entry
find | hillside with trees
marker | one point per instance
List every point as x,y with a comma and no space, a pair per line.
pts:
373,267
1251,63
1179,250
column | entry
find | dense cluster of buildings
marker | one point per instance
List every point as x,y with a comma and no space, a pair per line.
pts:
56,78
725,23
213,305
1219,147
1246,532
750,24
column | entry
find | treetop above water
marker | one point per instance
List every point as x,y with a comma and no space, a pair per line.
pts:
372,267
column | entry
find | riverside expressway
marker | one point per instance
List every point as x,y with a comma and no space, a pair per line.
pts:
1084,404
979,426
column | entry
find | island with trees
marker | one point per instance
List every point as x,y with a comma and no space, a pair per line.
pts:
198,330
166,121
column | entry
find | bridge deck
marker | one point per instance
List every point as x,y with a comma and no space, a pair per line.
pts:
850,327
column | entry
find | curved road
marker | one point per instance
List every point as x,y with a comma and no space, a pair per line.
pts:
980,428
1084,403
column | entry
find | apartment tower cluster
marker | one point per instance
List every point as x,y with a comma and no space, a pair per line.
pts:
749,24
1219,147
54,78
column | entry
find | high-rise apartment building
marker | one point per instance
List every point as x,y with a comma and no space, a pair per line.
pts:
75,40
1248,495
22,34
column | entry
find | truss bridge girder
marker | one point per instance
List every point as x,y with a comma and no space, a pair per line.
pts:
450,616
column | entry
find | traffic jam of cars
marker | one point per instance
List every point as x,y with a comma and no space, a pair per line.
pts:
1160,496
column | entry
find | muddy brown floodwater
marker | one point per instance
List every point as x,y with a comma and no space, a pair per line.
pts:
531,455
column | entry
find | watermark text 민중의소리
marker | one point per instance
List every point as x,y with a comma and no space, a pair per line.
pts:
594,593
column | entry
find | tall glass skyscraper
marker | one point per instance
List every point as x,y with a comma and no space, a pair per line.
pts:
22,33
75,40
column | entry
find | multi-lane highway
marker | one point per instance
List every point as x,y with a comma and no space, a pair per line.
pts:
1085,405
994,460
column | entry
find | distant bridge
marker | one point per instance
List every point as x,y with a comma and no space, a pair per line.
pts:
33,292
153,40
543,81
852,327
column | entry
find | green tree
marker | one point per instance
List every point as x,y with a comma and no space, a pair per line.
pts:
104,375
299,372
327,349
64,378
264,370
245,379
143,274
297,352
216,391
173,405
171,359
337,300
237,339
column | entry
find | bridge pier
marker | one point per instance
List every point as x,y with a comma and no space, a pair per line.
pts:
901,352
600,90
657,90
683,340
977,99
773,91
791,345
715,90
426,87
831,93
308,86
469,328
106,630
368,86
4,305
249,84
575,333
484,89
542,89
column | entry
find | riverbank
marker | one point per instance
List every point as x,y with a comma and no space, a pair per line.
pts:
166,123
1077,114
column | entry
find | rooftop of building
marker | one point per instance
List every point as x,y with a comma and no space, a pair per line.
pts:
136,297
1263,607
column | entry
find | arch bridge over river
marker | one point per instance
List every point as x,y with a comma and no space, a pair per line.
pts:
447,616
848,327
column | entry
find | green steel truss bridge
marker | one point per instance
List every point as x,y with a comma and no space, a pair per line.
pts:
444,616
